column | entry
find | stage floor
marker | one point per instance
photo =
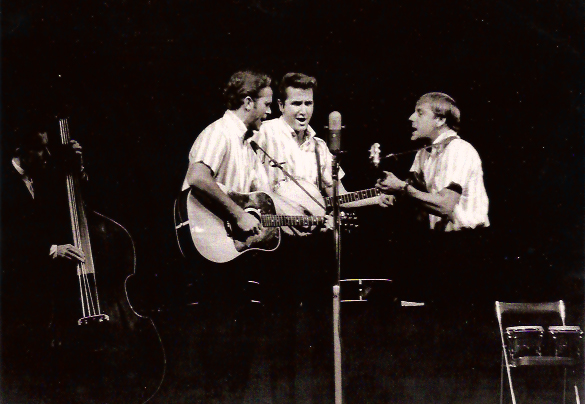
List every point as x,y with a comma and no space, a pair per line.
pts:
391,354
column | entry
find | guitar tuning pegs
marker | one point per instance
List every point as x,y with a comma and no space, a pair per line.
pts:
375,154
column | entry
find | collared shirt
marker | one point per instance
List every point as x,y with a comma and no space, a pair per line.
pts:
278,139
223,148
25,178
458,163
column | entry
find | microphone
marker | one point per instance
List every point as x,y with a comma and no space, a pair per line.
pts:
334,143
254,145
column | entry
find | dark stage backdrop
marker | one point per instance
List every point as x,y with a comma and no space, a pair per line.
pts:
140,79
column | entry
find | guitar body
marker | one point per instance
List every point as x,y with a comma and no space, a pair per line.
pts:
211,236
116,360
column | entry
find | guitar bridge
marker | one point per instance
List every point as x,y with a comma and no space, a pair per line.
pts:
100,318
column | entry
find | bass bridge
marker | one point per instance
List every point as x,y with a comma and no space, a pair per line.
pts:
99,318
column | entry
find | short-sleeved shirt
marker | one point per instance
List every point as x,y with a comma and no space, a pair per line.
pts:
456,163
223,148
278,139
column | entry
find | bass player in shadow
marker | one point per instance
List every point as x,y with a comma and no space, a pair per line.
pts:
51,350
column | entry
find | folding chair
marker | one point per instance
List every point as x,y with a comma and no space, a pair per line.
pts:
522,345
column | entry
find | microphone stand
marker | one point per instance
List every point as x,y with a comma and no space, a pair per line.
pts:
336,287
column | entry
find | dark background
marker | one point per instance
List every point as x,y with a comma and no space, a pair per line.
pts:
140,79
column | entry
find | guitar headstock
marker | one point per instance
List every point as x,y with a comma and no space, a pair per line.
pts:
375,154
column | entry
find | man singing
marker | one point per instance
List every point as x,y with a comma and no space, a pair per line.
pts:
443,267
225,327
300,285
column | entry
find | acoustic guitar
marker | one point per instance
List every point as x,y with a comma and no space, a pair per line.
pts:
292,200
200,231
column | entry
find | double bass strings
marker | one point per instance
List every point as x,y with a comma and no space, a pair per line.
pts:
87,282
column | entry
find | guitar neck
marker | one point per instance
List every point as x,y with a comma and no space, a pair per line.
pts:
353,196
280,220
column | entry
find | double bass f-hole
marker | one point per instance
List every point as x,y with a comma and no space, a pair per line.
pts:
88,288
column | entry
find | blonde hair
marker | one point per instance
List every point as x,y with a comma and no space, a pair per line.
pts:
443,106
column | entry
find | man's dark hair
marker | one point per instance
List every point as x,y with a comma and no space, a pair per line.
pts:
295,80
30,139
443,106
244,84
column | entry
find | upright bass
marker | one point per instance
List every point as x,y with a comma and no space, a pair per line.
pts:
107,352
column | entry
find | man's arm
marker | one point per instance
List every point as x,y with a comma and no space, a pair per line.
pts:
441,204
200,177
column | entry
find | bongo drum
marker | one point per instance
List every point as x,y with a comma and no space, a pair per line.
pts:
525,340
567,340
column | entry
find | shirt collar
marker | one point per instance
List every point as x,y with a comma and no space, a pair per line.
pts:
310,132
18,168
238,124
445,135
25,178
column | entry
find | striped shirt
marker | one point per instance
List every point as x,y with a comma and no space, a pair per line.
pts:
457,163
222,148
278,139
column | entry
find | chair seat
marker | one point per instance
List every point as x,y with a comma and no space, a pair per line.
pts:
542,361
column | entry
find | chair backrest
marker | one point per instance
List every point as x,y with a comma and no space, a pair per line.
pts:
529,309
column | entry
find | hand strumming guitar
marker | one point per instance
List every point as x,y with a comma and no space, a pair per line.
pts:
248,224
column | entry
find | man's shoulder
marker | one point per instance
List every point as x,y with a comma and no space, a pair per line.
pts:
218,124
463,145
275,125
320,141
219,128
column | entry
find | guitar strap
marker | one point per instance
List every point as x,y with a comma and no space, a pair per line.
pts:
319,179
278,165
419,181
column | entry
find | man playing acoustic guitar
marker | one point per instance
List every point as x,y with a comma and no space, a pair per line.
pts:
303,274
442,267
449,186
224,328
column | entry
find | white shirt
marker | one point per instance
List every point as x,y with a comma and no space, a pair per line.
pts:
278,139
457,163
221,147
25,178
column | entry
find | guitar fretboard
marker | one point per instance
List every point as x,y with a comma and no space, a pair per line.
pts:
354,196
280,220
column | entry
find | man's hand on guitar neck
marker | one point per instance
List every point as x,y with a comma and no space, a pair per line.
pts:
328,224
385,200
